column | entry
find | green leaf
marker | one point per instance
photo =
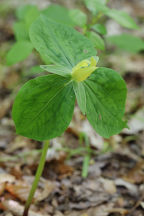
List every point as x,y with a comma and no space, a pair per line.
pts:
97,41
20,31
27,14
58,13
23,10
122,18
100,29
31,16
79,90
57,69
127,42
96,6
44,107
35,70
19,51
62,44
46,59
105,101
78,17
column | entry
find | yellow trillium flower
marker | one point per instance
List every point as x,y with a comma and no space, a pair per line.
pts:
84,69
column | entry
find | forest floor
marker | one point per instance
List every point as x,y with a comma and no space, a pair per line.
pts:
115,182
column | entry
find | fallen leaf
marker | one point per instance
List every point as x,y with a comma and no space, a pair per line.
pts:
131,187
4,106
102,210
18,209
136,123
19,190
109,185
48,188
5,177
136,174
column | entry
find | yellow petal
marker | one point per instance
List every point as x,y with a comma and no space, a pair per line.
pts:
93,61
81,64
83,73
84,69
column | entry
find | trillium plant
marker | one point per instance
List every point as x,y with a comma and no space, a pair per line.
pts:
44,106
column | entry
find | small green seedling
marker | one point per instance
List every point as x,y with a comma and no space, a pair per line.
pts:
44,106
25,15
23,47
47,102
95,30
99,8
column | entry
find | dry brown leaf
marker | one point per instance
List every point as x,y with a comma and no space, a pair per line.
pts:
133,63
4,106
109,186
2,188
122,211
136,174
11,79
17,171
18,209
8,214
58,167
18,142
102,210
48,188
5,177
19,190
133,189
2,207
58,213
142,204
136,123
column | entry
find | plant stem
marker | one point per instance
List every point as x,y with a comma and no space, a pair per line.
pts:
87,157
85,165
96,19
37,177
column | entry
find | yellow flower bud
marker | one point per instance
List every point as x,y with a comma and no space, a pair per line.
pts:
84,69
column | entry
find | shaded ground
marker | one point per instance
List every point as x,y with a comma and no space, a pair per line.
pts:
115,182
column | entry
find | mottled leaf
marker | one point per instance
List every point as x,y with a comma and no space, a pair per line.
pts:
105,101
44,107
60,43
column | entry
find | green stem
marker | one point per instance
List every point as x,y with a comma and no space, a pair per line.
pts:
87,157
85,165
97,18
37,177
